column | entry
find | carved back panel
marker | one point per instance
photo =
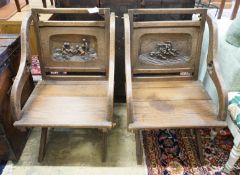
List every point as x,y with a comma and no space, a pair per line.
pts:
166,48
72,48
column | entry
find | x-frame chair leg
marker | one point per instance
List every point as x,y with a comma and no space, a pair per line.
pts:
43,141
104,145
139,151
199,144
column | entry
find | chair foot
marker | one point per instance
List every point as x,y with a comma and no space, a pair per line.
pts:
43,141
44,3
139,150
51,2
233,158
18,5
104,146
213,134
199,145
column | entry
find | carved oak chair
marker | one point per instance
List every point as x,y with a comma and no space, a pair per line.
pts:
162,63
77,63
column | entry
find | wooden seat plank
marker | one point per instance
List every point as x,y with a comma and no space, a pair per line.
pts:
63,104
175,114
179,91
63,89
172,104
144,84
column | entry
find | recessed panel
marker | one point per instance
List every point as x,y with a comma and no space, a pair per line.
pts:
165,49
74,48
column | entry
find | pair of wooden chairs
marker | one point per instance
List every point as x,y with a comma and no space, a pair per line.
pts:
77,65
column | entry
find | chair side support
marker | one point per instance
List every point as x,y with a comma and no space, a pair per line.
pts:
24,70
128,70
213,67
111,67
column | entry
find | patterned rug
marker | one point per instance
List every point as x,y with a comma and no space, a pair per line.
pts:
173,152
35,66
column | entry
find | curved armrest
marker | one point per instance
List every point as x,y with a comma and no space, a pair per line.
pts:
128,70
111,67
24,70
214,68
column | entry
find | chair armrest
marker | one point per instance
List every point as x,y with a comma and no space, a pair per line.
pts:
111,67
213,67
128,70
24,70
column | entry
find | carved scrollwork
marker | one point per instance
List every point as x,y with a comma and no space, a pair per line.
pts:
164,53
210,67
75,52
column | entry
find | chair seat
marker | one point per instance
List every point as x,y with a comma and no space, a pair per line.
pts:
234,107
67,104
172,104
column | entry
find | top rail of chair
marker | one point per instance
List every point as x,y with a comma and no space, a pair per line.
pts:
168,11
69,10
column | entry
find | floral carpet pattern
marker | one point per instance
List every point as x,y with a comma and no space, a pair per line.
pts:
35,66
174,152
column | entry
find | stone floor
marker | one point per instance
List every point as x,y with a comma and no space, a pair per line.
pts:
78,151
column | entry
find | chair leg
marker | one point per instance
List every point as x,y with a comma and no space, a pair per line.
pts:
221,9
43,141
139,150
18,5
233,158
44,3
213,134
51,2
104,146
199,145
235,9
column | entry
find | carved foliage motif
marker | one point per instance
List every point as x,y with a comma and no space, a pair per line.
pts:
75,52
163,54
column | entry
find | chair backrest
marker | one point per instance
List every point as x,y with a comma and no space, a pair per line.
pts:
72,49
166,49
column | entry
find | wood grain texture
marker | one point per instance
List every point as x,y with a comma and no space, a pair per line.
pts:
111,68
43,142
172,104
67,105
174,91
72,23
168,11
139,149
166,24
128,71
23,71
